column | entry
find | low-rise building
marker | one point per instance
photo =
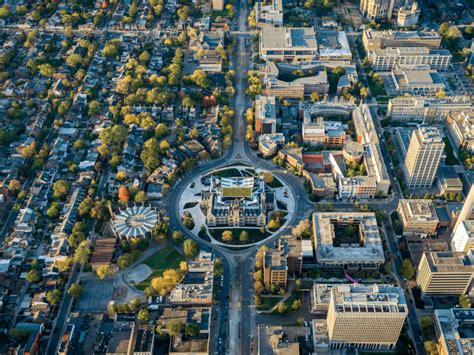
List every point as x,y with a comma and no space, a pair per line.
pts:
269,14
414,82
288,44
321,131
418,216
445,273
449,181
333,45
347,240
103,252
279,340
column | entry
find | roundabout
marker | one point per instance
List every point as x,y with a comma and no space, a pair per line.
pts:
236,206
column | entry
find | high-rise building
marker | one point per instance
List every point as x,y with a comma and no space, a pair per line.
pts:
445,273
463,231
423,157
365,316
377,9
453,331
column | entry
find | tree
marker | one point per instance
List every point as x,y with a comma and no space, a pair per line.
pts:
296,304
75,291
464,301
14,185
161,130
315,96
406,269
143,315
177,236
144,57
200,78
81,255
34,275
175,327
53,210
426,325
93,108
164,284
54,296
274,224
190,248
192,329
281,308
183,13
74,60
5,11
123,194
140,197
60,189
227,236
302,229
85,206
244,237
430,347
150,154
46,70
104,271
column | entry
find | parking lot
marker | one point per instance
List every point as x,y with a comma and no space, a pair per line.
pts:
97,295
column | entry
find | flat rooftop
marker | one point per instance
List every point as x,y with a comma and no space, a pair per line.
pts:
421,210
288,38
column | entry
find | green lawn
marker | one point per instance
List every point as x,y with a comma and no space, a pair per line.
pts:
267,303
167,258
231,172
254,234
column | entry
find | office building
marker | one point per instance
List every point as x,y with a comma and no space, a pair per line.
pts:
445,273
333,45
454,333
347,240
377,9
372,39
387,59
418,217
463,231
427,109
449,181
417,82
408,15
265,115
423,157
288,44
365,317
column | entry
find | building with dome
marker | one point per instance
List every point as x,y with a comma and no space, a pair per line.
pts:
134,221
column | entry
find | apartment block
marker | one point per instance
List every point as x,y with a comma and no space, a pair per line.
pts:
365,317
418,217
445,273
423,157
387,59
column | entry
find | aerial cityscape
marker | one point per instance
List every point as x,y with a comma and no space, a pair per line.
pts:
243,177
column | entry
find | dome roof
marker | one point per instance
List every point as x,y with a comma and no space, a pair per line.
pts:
135,221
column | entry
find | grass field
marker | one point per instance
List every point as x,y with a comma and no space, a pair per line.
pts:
167,258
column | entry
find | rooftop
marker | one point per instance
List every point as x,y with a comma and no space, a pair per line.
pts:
288,38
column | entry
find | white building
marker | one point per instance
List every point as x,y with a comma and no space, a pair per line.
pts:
269,15
377,9
268,144
387,59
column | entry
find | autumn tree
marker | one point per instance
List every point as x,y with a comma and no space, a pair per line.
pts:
123,194
227,236
75,291
104,271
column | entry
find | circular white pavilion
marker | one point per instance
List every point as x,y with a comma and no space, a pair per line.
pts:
135,221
